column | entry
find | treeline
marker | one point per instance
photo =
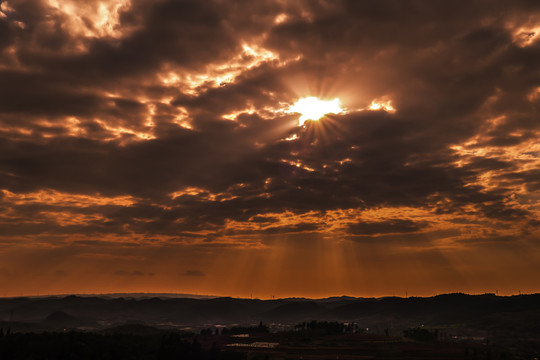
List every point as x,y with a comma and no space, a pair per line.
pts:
327,327
236,330
421,334
94,346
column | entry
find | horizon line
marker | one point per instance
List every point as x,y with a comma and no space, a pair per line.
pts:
208,296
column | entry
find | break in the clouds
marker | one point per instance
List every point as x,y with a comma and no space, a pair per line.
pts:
158,134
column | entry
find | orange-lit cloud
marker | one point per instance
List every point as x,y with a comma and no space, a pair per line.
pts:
52,197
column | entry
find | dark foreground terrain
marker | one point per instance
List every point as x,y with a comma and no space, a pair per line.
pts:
297,344
453,326
78,345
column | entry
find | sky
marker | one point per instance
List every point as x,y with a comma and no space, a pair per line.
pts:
155,146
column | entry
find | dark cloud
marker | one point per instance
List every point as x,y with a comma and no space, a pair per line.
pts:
136,273
60,273
385,227
194,273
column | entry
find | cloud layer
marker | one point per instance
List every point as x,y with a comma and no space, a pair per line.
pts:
133,129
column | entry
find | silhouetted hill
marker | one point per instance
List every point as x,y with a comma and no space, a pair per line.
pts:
294,312
62,320
441,309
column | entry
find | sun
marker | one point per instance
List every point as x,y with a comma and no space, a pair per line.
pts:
312,108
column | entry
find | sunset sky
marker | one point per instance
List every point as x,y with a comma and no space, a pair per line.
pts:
155,146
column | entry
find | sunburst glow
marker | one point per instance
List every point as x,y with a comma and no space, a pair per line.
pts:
313,108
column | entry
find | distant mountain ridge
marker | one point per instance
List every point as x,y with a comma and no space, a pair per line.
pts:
140,295
486,310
